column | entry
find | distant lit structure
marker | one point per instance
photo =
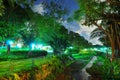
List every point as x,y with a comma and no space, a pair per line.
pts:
20,45
41,47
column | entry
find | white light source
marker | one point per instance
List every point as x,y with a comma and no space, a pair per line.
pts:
19,45
10,42
33,46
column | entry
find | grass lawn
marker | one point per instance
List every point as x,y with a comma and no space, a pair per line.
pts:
11,66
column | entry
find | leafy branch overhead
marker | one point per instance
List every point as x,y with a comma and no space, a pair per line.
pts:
106,16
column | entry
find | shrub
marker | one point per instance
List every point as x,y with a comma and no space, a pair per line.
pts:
73,51
22,55
109,70
30,53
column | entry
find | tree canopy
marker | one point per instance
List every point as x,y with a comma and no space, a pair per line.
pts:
104,15
22,22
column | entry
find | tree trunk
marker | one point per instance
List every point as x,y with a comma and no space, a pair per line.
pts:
8,49
112,46
113,51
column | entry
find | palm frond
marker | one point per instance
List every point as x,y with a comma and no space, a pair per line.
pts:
97,33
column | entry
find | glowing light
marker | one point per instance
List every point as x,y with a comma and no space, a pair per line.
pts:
33,46
71,47
19,45
10,42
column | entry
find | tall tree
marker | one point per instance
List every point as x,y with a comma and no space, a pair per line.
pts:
28,33
6,29
108,13
11,21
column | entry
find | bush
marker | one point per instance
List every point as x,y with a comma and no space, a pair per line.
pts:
30,53
22,55
106,71
100,54
73,51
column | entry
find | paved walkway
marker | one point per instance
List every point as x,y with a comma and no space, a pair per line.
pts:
76,72
83,74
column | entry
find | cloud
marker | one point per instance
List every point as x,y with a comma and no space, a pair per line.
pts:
82,30
85,31
71,26
38,8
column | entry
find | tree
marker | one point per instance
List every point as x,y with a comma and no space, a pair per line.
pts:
78,41
108,13
1,8
28,33
54,34
101,35
5,33
55,9
59,44
11,21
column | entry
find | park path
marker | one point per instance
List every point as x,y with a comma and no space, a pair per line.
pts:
76,71
83,74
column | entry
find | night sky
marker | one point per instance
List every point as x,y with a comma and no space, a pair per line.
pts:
75,26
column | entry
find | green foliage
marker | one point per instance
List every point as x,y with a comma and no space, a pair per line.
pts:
1,8
73,50
6,30
24,3
78,41
107,70
104,15
16,55
59,44
28,33
45,68
12,21
55,9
